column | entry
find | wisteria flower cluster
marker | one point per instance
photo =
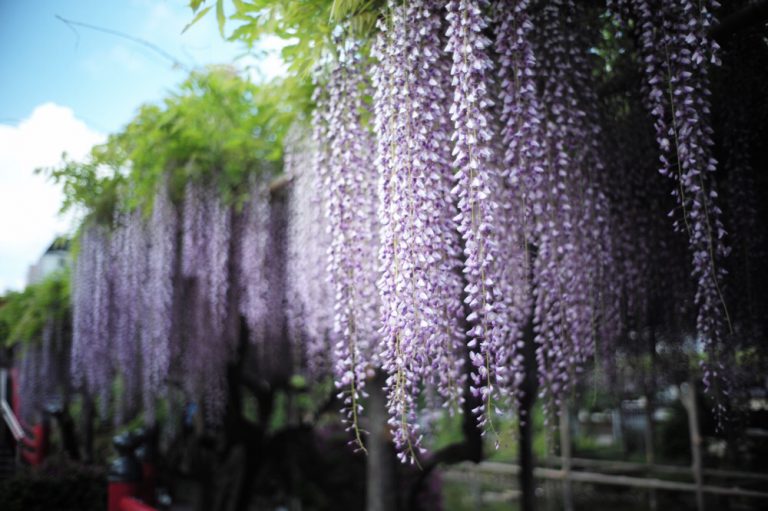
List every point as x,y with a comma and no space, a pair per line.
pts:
157,297
477,190
676,49
534,231
523,158
463,196
419,284
349,185
309,301
91,304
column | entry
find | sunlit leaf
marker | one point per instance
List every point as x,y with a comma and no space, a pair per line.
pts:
196,18
220,18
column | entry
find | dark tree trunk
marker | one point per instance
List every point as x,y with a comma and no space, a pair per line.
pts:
237,463
87,417
565,455
381,461
202,468
650,391
68,435
689,399
525,432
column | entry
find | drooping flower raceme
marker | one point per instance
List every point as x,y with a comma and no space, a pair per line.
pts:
275,354
252,230
206,249
158,296
419,284
600,319
309,300
349,182
477,190
49,359
206,239
676,51
217,277
32,380
523,162
571,268
91,362
437,250
400,359
129,250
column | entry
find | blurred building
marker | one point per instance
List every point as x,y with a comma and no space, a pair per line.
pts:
55,258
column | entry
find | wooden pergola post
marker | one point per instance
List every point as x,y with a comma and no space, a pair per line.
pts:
688,397
565,455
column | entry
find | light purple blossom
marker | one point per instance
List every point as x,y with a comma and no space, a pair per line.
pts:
206,249
252,230
129,247
523,162
419,285
478,191
349,185
309,301
158,296
676,52
91,364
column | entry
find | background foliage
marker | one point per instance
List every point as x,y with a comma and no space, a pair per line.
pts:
217,125
24,313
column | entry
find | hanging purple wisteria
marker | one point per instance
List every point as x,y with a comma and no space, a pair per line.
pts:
156,300
349,185
477,191
91,306
158,295
465,198
676,51
419,285
309,300
129,249
205,253
522,153
252,232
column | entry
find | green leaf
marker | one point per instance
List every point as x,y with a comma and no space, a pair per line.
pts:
341,8
220,16
363,23
244,33
195,4
298,381
197,18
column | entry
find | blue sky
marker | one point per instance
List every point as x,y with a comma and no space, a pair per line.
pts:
65,88
102,77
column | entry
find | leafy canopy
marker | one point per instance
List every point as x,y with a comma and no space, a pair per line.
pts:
23,314
308,27
217,126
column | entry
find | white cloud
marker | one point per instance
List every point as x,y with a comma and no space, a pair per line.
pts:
29,204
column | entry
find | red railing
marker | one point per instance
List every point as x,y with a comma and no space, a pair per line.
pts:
34,445
132,504
132,475
32,441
